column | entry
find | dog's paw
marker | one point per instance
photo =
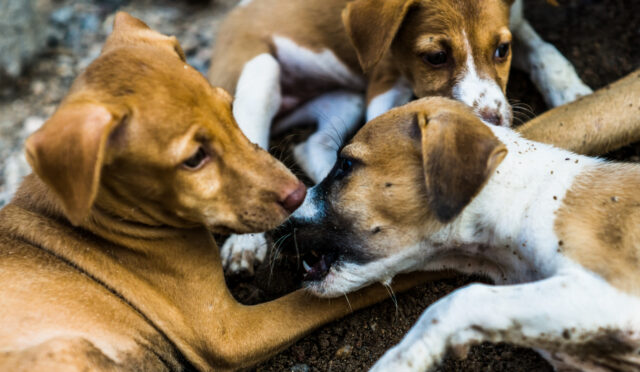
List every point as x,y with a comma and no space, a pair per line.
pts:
556,77
406,357
240,253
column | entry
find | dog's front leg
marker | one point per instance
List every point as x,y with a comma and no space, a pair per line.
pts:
257,101
553,75
560,314
387,89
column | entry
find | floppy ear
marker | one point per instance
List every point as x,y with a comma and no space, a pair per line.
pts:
128,29
67,153
459,155
372,25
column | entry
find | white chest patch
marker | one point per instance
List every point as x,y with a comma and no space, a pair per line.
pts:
323,68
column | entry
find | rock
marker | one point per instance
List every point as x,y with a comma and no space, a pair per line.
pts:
300,368
344,351
15,165
23,28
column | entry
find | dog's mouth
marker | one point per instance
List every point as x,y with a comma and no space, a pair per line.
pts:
317,265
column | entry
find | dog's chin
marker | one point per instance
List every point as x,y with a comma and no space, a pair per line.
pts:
341,278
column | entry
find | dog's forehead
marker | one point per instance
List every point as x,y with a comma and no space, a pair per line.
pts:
459,19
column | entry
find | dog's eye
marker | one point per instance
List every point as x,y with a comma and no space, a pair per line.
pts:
343,167
197,160
502,51
435,59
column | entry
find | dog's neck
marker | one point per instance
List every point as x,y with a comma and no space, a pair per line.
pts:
511,221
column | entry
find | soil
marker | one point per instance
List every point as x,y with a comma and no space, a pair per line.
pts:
600,37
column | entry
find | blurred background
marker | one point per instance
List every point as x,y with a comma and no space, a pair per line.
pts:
44,44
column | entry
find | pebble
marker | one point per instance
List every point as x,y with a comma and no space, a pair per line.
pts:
300,368
344,352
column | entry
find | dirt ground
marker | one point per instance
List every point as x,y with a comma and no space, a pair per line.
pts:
600,37
602,40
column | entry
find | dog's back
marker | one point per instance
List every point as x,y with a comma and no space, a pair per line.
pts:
45,327
248,31
599,224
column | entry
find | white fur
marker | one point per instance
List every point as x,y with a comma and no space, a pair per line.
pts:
571,307
240,252
258,98
302,63
480,93
311,209
550,71
244,2
398,95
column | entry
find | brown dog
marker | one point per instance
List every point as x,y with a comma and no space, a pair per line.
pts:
106,262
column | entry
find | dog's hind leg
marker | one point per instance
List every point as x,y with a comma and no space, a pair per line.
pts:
258,98
337,114
554,76
576,314
257,101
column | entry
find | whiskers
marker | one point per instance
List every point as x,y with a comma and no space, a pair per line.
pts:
275,253
522,112
387,285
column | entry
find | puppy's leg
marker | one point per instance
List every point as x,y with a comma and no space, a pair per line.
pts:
253,333
257,102
570,314
596,124
554,76
337,115
387,89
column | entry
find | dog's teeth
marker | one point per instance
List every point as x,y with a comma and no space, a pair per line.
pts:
306,266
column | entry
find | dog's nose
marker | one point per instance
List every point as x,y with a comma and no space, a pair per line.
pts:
295,198
491,116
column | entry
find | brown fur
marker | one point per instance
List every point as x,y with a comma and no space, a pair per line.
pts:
107,261
248,31
598,224
595,124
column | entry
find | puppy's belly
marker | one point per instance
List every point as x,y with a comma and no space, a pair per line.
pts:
306,73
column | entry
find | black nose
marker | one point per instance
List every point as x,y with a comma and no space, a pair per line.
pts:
491,116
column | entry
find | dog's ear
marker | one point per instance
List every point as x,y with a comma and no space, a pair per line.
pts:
372,25
459,154
128,29
125,21
68,152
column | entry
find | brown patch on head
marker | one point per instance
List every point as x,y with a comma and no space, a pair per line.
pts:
143,136
598,224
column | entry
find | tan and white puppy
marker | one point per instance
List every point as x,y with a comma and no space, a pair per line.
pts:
430,186
310,61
